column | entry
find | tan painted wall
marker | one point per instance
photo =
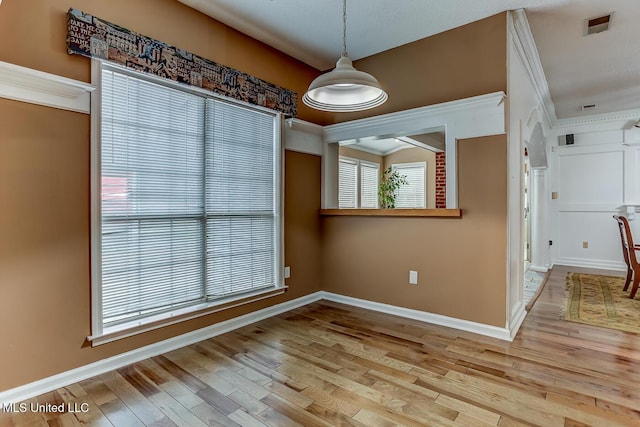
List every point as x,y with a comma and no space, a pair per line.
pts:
460,261
418,155
44,184
459,63
34,32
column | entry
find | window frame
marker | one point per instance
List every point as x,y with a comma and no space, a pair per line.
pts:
101,334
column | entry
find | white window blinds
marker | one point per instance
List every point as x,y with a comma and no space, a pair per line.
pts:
347,183
189,198
413,194
369,177
241,235
357,183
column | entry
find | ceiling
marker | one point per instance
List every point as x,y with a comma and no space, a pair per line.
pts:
379,147
382,146
601,69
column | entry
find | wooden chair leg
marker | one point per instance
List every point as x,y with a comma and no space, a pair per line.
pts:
628,280
634,289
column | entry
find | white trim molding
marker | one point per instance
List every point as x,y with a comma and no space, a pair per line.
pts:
617,118
37,87
539,268
518,314
526,48
63,379
432,318
476,116
303,137
528,51
590,263
472,117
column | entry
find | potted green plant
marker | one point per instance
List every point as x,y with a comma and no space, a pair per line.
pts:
389,186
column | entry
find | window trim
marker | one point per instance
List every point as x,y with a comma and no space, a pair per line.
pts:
99,333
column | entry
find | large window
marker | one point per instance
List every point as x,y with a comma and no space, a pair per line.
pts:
189,210
413,194
357,183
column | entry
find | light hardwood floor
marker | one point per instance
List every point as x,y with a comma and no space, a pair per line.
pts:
328,364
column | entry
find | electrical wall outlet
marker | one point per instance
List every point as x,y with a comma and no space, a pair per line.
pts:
585,245
287,272
413,277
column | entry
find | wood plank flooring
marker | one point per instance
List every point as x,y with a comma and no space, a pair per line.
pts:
328,364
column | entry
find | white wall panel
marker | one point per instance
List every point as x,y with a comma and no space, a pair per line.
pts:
600,232
594,179
591,178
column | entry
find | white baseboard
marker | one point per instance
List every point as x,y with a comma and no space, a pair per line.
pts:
538,268
517,318
63,379
423,316
27,391
591,263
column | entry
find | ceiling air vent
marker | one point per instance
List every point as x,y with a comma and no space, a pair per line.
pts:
598,25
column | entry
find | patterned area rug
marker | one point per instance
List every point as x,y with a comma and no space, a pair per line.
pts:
600,301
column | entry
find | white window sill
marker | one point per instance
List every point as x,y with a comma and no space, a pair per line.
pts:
140,326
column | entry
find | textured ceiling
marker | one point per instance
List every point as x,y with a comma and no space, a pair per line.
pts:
601,69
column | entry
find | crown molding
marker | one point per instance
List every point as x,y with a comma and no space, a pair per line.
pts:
525,45
37,87
618,116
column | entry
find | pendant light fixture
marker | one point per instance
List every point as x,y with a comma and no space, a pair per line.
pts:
344,89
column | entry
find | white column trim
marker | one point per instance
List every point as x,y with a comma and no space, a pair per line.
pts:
37,87
538,218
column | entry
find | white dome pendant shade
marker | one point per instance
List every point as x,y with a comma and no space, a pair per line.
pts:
344,89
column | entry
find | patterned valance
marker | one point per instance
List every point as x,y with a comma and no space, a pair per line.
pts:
96,38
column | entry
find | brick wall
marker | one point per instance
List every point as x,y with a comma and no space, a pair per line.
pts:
441,181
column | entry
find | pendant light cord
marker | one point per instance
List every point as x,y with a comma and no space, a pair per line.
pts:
344,28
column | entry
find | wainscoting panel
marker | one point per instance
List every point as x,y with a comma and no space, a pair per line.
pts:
595,179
